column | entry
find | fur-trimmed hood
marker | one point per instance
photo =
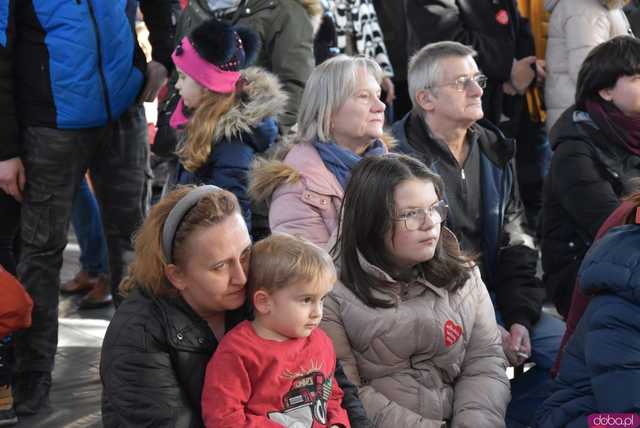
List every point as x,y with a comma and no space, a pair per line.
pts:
262,98
268,174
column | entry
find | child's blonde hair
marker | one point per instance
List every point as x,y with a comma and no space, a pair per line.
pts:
202,126
282,260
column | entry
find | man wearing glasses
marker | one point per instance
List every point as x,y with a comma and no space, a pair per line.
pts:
446,130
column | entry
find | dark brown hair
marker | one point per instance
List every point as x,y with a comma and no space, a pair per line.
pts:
604,65
367,215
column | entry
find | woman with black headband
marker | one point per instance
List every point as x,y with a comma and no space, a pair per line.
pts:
185,290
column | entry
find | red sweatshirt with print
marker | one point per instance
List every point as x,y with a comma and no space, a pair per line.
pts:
255,382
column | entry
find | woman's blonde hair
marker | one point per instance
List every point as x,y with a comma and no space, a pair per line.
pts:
147,269
197,145
282,260
328,88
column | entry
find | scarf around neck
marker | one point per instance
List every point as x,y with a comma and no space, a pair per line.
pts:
180,116
340,160
622,129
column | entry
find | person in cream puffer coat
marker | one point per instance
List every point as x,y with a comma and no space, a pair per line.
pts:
429,355
409,372
576,27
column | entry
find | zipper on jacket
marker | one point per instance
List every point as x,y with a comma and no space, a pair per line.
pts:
247,11
103,81
463,177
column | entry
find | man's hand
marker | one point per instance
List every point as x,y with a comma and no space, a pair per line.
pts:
508,89
12,177
155,78
388,86
522,74
516,344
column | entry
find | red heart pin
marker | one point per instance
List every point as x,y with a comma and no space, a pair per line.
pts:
452,333
502,17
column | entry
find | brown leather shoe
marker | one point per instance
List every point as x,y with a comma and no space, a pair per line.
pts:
99,296
81,283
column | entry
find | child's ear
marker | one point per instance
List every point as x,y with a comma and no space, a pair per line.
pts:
262,302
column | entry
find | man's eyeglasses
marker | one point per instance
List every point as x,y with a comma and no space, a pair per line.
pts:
414,218
463,83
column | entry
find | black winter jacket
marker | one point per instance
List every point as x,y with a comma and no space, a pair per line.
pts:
154,358
475,23
587,179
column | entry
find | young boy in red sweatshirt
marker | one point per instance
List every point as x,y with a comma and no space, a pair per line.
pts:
278,370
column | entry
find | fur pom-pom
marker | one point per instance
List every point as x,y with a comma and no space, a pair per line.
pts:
214,41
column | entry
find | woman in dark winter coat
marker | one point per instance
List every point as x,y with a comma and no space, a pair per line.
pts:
185,290
599,370
227,112
596,161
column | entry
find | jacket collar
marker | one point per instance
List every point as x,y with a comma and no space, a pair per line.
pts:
307,161
262,99
493,143
185,329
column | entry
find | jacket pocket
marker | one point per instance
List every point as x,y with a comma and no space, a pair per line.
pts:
317,200
36,221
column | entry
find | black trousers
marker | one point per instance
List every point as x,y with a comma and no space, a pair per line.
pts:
55,163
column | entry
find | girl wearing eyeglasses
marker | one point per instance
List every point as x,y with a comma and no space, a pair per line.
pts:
410,317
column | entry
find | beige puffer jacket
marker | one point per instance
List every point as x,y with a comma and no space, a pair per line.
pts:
575,27
435,357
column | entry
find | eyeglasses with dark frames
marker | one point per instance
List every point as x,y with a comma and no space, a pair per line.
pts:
415,218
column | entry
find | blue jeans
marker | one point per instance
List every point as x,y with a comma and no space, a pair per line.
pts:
87,223
530,389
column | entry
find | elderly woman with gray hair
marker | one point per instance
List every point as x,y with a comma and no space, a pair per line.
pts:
340,121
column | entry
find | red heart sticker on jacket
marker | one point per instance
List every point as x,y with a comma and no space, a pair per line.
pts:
502,17
452,333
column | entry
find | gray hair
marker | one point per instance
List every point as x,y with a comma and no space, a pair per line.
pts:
328,88
424,66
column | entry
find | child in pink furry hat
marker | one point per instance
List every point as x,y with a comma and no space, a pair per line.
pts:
227,110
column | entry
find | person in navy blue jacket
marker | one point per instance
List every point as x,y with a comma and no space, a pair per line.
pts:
227,111
72,78
600,369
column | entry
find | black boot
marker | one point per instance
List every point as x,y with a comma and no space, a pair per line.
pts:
7,412
32,392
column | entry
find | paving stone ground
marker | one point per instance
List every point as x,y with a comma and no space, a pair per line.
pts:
76,390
